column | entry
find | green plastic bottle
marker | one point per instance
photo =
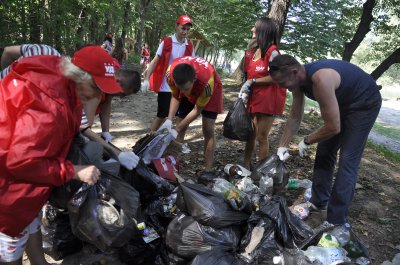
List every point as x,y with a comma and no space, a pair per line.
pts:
354,249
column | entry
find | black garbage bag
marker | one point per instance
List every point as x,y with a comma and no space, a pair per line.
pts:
258,245
207,207
187,238
150,185
290,231
61,195
160,212
138,252
58,239
238,124
272,167
106,213
217,257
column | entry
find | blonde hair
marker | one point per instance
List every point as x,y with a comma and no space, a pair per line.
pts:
73,72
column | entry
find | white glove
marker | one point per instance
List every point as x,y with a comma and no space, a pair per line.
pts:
145,86
283,153
166,125
302,148
174,133
245,90
128,159
106,136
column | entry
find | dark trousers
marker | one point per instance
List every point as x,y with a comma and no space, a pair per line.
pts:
356,122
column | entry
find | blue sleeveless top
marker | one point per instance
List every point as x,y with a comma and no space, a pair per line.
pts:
355,85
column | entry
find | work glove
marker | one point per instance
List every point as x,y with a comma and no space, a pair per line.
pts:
283,153
245,90
166,125
145,86
174,133
303,148
128,159
106,136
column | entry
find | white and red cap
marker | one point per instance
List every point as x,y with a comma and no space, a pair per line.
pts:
183,20
100,65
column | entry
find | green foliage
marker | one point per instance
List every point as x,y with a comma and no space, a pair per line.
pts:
384,151
318,29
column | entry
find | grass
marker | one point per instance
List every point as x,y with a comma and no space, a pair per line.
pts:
384,151
387,130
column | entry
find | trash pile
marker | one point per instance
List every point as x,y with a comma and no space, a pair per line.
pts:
151,215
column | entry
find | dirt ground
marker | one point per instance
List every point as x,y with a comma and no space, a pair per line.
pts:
375,210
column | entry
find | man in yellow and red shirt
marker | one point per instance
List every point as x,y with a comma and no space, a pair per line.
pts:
196,89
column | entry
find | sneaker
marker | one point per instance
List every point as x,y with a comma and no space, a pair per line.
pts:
325,226
317,215
313,208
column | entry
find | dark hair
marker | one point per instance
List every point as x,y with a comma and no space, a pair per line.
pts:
129,80
109,37
266,34
183,73
118,52
283,63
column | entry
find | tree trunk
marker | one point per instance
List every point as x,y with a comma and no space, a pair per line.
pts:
389,61
362,30
125,25
143,5
35,22
278,13
80,31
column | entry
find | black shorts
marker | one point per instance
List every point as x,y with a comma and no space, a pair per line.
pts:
185,107
163,101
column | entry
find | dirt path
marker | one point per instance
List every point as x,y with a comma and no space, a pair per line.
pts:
389,115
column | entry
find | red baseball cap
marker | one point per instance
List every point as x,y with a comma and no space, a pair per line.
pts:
183,20
100,65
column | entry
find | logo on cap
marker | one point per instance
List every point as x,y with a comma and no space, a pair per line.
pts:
109,70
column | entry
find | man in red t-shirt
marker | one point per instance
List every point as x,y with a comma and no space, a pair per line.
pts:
196,89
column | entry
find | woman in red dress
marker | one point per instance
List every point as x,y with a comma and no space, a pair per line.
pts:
265,98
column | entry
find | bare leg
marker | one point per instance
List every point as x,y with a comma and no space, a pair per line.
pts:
156,123
264,127
34,249
250,145
209,142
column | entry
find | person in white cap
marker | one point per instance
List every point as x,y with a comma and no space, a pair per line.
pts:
170,48
41,106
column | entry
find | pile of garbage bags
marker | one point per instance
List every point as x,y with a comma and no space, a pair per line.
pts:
231,217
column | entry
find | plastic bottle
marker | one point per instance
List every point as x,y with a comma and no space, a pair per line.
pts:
363,261
326,255
342,233
301,210
354,249
233,170
299,183
291,257
307,195
327,240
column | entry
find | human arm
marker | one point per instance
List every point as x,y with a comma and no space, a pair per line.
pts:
127,159
10,54
325,83
125,55
295,118
152,65
105,114
192,115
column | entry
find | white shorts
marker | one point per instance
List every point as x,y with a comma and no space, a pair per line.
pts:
12,248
